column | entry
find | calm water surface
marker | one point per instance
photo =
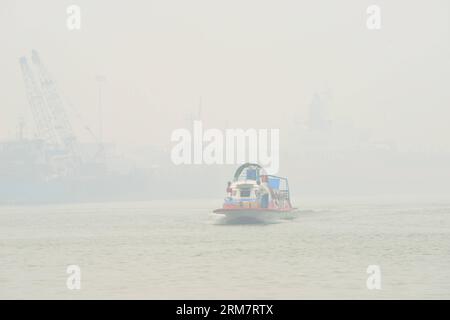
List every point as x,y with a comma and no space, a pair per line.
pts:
168,250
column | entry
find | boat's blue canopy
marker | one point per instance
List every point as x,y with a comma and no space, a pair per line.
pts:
273,182
278,183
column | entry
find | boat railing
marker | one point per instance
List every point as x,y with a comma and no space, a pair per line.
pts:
284,194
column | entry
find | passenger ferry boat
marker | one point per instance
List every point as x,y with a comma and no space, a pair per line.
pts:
255,195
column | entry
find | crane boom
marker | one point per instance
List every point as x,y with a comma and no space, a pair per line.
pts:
61,124
39,110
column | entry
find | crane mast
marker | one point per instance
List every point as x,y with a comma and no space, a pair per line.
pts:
61,124
49,113
39,110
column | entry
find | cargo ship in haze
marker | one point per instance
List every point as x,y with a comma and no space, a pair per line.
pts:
253,195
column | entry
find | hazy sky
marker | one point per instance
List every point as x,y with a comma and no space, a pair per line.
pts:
253,63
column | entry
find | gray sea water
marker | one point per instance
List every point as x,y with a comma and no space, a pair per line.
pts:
179,250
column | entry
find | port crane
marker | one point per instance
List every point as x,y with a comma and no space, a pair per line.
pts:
41,114
52,123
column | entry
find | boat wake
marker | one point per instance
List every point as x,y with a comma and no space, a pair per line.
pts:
244,221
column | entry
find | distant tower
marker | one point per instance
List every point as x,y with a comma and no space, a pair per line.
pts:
101,80
21,128
319,117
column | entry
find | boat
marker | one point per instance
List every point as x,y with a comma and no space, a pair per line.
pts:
253,195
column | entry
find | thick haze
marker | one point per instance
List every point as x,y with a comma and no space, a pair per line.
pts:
247,63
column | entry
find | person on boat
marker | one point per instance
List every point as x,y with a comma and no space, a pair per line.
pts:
264,202
229,189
